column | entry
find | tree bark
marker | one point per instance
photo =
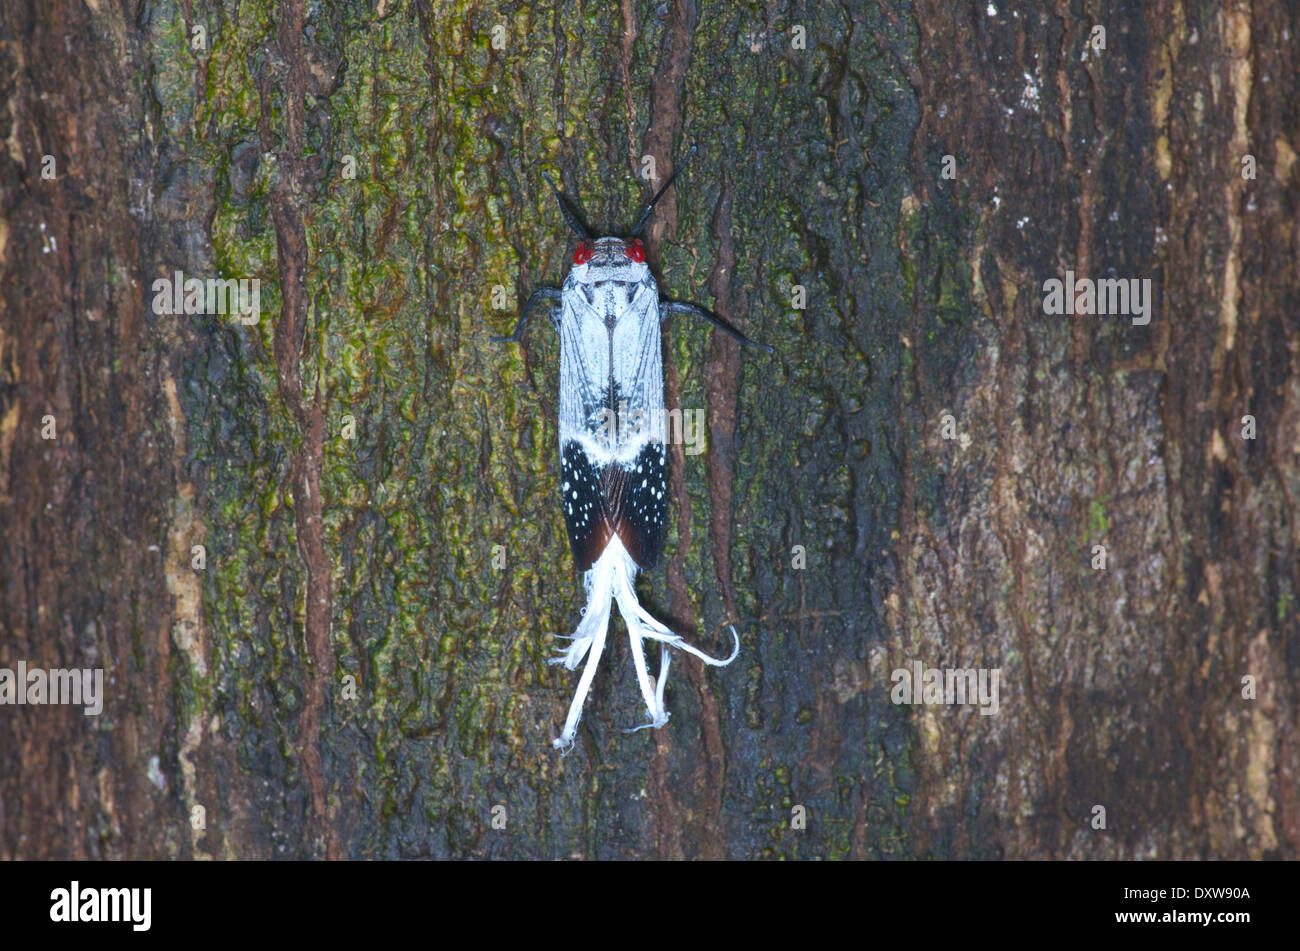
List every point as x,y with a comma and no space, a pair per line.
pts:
354,665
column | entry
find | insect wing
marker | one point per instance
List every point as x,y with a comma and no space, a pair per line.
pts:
612,455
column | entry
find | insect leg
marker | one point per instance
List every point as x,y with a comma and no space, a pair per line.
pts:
667,307
550,294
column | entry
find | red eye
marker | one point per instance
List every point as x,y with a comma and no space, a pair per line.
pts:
583,254
634,250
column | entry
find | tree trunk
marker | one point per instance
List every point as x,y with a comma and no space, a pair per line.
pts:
932,468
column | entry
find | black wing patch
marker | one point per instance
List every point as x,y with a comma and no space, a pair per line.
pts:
601,500
581,500
636,500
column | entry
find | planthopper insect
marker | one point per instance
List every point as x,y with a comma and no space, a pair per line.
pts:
613,485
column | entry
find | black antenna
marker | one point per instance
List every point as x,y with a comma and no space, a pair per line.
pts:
645,215
570,216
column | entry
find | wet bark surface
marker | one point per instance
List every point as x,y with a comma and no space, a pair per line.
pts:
355,664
